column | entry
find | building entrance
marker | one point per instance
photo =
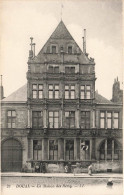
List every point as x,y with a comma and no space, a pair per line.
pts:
11,155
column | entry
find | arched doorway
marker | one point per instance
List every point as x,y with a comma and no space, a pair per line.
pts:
11,155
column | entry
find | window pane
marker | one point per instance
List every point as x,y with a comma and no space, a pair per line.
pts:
102,123
56,114
72,95
70,49
34,86
51,120
56,125
67,69
116,123
57,87
82,87
53,49
9,113
66,94
40,86
88,87
116,115
56,94
66,114
9,125
50,86
13,113
66,86
102,114
72,87
34,94
72,69
51,114
109,114
40,94
82,94
50,94
88,95
13,125
50,69
56,69
109,123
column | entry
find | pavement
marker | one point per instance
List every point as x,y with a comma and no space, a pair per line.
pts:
85,175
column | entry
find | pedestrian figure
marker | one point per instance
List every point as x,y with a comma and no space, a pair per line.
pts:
66,169
110,182
43,168
90,170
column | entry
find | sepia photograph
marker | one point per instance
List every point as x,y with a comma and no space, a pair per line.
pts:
61,94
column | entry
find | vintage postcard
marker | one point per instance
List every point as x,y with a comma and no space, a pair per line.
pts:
61,97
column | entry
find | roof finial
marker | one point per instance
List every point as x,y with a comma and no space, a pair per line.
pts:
61,9
1,79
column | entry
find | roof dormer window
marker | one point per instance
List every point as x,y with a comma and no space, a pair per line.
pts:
69,49
54,49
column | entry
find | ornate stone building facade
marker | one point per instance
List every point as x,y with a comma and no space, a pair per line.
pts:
57,117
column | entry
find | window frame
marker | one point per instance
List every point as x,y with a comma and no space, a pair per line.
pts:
53,149
10,118
37,118
53,91
85,92
52,119
69,118
86,119
37,91
70,91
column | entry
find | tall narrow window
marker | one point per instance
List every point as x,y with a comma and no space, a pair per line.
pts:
53,149
34,91
11,118
109,120
82,92
37,119
69,92
54,119
69,154
69,49
102,120
88,91
53,69
40,91
54,91
70,119
116,120
50,91
85,119
37,91
37,150
85,92
53,49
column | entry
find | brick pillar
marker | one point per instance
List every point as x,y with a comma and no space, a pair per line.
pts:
29,123
106,149
45,149
30,148
106,122
61,149
93,119
97,119
112,149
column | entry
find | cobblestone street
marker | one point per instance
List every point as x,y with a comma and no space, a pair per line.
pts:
58,184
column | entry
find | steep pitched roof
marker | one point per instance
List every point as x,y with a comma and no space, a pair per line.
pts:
19,95
61,35
61,32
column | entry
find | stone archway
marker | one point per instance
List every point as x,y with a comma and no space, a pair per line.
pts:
11,155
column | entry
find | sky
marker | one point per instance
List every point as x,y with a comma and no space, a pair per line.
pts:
22,19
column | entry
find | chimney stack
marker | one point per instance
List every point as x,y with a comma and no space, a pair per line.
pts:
1,90
84,42
31,51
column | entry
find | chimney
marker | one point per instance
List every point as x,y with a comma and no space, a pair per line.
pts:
1,90
117,93
31,51
84,42
34,48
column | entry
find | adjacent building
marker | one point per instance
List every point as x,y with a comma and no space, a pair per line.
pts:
58,117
